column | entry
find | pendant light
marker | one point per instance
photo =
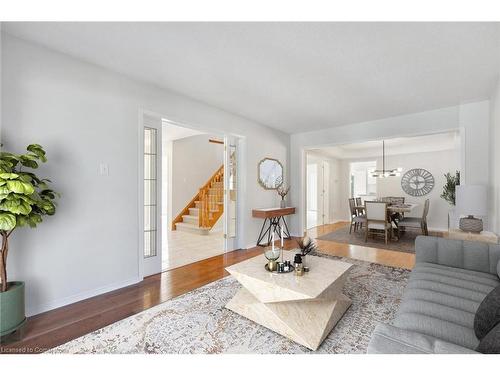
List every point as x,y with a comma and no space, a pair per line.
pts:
383,173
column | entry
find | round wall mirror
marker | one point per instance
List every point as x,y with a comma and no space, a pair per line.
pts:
270,172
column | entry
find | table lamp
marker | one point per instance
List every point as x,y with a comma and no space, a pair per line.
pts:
471,200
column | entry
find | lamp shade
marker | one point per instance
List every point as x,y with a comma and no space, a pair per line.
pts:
471,200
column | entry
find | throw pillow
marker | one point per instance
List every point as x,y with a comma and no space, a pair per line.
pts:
490,344
488,313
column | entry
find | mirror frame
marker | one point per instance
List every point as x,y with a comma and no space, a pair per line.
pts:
258,173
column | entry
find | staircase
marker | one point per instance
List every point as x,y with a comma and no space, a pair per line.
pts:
206,207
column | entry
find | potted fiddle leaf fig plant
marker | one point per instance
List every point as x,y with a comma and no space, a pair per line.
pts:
24,199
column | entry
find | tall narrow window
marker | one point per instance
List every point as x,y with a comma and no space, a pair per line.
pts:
150,201
232,191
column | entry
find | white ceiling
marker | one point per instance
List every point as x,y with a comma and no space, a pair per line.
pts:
172,132
294,76
394,146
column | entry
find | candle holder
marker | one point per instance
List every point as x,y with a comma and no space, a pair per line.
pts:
272,255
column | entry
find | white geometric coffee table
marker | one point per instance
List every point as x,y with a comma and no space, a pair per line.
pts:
302,308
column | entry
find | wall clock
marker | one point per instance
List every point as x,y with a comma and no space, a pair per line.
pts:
417,182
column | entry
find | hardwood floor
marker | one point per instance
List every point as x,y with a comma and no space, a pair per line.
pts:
369,254
53,328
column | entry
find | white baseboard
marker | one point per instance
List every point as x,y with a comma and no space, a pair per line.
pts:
33,310
250,245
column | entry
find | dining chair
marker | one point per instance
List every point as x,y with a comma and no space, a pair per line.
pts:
357,219
417,222
377,219
359,203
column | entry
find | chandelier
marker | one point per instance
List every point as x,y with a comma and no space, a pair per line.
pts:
383,173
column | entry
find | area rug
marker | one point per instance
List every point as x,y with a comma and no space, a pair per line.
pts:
197,322
405,244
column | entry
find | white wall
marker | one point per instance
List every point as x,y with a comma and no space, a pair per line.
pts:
84,115
194,161
495,160
472,118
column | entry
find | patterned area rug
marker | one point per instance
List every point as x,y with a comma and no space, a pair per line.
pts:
405,244
197,322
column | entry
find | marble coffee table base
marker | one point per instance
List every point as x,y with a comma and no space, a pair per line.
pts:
300,318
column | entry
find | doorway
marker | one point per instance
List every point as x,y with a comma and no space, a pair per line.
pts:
189,194
318,191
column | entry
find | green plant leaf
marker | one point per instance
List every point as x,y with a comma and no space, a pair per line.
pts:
36,149
7,221
16,206
25,178
20,187
6,165
27,162
48,207
9,176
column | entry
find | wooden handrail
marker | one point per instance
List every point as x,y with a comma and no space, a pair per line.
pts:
205,219
221,169
209,202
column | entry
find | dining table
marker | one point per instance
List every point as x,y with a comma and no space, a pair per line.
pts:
400,208
395,208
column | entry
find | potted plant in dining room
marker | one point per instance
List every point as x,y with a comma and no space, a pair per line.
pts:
448,195
24,199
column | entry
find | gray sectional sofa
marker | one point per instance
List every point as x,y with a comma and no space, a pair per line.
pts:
446,286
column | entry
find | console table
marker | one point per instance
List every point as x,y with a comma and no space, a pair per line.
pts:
274,218
484,236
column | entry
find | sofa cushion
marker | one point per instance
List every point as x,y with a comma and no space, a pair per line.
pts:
482,277
441,298
490,344
439,311
441,301
488,314
439,328
476,256
470,286
388,339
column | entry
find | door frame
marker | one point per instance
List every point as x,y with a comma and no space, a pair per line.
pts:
241,191
145,267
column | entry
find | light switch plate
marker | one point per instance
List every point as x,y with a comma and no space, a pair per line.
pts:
103,169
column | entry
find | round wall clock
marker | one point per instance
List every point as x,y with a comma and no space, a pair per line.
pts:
417,182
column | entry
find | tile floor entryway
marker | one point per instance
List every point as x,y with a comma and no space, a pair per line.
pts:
181,248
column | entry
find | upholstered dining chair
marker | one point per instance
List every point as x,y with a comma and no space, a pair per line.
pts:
357,219
416,222
376,219
359,203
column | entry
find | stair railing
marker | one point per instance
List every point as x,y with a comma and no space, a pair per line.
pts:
210,196
201,196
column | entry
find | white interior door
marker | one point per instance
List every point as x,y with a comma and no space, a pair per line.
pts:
150,193
324,194
312,195
231,187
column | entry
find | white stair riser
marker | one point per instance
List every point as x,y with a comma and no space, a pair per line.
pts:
191,228
190,219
